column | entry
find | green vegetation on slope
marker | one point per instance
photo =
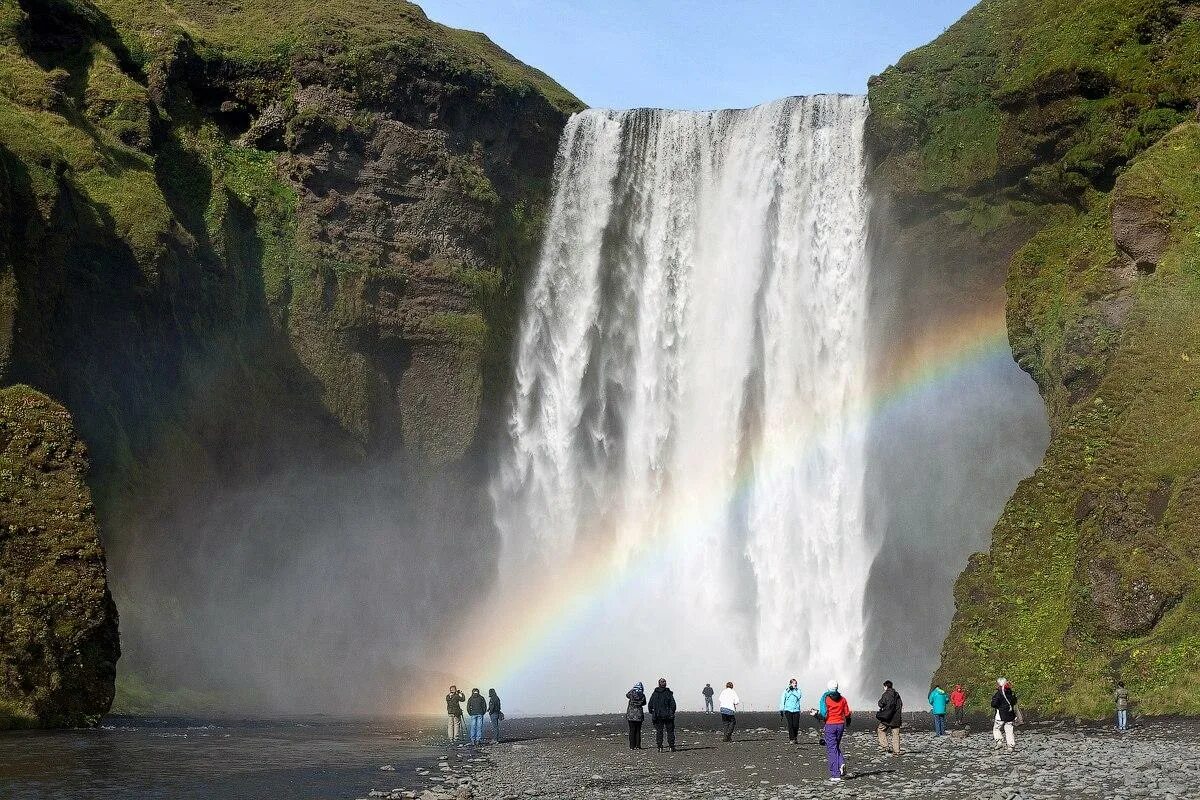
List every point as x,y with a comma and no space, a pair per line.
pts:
1073,119
1094,570
351,32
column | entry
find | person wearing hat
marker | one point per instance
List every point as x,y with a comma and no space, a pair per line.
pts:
835,709
634,714
1005,703
662,714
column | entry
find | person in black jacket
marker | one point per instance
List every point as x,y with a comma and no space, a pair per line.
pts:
454,714
476,708
890,716
1005,703
494,712
708,692
634,715
662,714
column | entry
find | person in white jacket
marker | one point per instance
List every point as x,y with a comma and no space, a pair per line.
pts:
728,703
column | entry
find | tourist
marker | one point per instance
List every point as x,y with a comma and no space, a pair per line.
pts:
1121,696
958,698
662,714
789,708
937,706
835,709
1005,703
891,717
476,708
493,710
728,702
634,715
707,691
454,712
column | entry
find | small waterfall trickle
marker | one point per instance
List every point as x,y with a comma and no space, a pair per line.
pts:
688,402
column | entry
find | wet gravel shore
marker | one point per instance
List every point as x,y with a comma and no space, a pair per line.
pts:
582,757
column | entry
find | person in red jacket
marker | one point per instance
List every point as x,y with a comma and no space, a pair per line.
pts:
958,699
836,710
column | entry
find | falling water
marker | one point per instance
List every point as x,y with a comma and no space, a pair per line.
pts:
689,381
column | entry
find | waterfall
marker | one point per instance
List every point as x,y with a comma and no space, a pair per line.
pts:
688,401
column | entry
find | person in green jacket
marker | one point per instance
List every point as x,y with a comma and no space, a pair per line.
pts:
937,705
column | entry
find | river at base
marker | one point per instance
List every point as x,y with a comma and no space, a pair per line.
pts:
144,758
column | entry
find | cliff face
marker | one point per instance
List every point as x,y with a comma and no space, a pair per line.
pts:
58,624
1057,140
263,246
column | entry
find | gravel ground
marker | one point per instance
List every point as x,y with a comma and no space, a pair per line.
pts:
582,757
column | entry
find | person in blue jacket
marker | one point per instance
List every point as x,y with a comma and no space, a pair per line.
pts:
937,706
821,709
789,709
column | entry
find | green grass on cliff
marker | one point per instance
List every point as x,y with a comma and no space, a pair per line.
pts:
259,32
1094,570
1060,93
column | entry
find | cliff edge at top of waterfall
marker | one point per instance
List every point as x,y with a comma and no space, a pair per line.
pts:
1055,142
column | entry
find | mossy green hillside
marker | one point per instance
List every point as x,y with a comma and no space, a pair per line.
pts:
1043,100
1093,571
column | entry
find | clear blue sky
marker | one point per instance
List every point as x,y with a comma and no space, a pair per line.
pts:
701,54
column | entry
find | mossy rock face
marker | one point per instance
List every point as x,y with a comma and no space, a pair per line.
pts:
1068,126
58,624
240,241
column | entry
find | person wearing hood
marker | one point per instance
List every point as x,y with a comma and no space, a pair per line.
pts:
634,714
728,702
789,709
937,707
1005,703
662,714
835,709
708,693
454,714
891,717
958,699
476,708
494,712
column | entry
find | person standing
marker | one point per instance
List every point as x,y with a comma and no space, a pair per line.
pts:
891,717
837,718
958,698
454,714
707,691
476,708
494,712
1005,703
789,709
937,706
728,703
1121,697
634,714
662,714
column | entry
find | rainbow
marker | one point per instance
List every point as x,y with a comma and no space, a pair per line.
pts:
508,634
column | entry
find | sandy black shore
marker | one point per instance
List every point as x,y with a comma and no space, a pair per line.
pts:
588,757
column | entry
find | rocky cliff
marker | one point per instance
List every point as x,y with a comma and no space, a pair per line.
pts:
269,247
1056,143
58,624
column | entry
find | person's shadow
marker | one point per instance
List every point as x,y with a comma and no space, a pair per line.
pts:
868,773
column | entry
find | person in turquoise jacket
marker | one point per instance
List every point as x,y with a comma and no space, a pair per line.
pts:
789,709
937,705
